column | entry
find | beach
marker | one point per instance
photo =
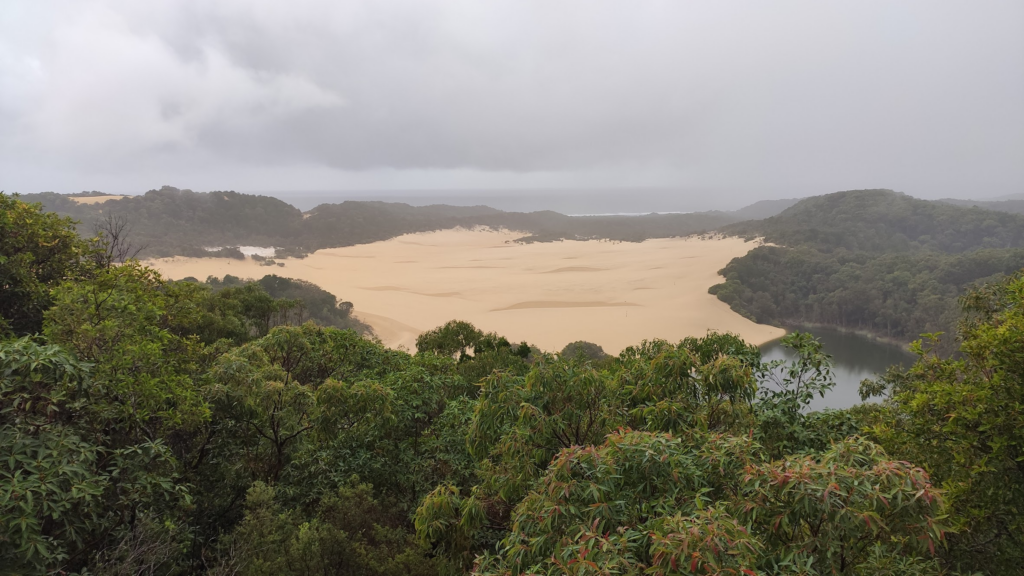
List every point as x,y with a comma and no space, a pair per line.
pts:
615,294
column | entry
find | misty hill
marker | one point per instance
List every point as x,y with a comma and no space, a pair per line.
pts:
875,261
764,209
1015,206
886,221
170,221
181,222
1017,196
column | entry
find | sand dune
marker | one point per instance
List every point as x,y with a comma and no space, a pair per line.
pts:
557,304
95,199
615,294
576,269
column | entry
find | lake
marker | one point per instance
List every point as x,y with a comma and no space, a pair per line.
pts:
855,358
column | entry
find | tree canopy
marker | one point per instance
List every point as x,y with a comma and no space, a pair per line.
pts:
173,428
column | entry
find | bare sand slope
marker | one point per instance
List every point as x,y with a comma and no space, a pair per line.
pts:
95,199
549,294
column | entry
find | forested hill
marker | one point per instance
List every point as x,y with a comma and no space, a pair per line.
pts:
875,261
764,209
170,221
883,221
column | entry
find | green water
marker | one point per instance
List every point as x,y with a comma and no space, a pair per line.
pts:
855,357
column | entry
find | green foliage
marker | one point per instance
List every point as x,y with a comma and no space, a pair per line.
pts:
961,418
349,533
454,339
47,470
588,350
522,422
699,386
67,486
260,310
478,353
297,300
706,383
407,449
123,322
785,424
895,296
645,502
38,251
274,395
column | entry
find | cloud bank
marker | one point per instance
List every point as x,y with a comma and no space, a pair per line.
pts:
752,99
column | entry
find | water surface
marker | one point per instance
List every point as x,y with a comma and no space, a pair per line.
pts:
855,357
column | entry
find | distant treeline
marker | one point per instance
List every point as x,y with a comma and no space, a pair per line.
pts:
874,261
1014,206
173,222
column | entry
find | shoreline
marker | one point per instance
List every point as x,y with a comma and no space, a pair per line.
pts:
810,327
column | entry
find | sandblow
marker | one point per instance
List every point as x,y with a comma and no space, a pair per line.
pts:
549,294
95,199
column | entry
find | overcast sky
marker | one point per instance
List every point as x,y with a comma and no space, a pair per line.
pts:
749,99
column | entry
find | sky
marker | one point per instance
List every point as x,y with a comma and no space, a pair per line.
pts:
730,100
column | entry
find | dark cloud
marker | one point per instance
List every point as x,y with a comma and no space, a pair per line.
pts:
753,98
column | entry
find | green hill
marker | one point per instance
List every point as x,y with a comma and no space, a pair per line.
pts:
170,221
874,261
883,221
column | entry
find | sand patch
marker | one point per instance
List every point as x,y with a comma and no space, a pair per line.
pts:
95,199
555,304
400,289
390,331
575,269
614,294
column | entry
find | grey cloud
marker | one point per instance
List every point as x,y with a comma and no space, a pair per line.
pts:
804,96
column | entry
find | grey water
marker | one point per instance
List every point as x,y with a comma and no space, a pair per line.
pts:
855,358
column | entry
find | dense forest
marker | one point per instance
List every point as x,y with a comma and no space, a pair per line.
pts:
874,261
165,428
169,222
